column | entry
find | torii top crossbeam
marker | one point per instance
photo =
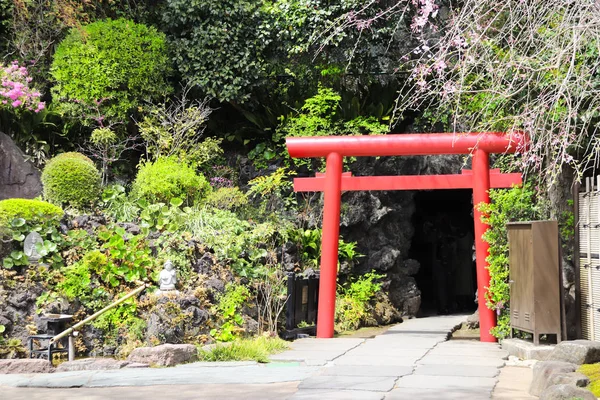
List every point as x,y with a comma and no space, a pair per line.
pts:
481,179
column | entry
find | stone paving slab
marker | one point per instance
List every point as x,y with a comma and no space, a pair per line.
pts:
382,350
375,361
252,374
435,394
299,355
403,342
457,370
445,382
368,370
273,391
368,383
315,394
453,360
442,350
513,384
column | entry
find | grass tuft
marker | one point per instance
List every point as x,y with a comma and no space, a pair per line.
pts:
256,349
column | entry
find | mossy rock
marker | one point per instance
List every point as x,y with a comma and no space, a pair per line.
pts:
71,179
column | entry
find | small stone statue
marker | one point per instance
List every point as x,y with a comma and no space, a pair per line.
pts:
29,247
168,277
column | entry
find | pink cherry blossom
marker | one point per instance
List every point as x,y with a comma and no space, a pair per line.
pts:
16,90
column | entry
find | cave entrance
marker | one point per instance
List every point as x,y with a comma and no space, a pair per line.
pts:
443,244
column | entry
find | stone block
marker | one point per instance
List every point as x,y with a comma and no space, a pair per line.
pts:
569,378
566,392
25,366
542,371
165,355
576,352
526,350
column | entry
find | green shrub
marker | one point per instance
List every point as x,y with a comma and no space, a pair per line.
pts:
166,178
516,204
352,306
256,349
33,211
109,66
71,179
227,198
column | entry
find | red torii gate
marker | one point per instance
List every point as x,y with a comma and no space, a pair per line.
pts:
481,179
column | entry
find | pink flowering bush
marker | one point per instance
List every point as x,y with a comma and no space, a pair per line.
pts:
15,91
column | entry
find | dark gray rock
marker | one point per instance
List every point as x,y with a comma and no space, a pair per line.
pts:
92,364
576,352
542,371
18,177
410,267
566,392
385,258
204,264
25,366
405,295
250,326
131,228
569,378
165,355
472,321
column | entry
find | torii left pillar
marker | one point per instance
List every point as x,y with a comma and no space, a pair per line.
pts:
335,148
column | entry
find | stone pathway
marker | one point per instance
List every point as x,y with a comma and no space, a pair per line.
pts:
410,360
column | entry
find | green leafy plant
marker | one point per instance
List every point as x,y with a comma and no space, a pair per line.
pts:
228,309
43,220
128,257
109,67
274,189
160,216
352,305
166,178
71,179
118,205
516,204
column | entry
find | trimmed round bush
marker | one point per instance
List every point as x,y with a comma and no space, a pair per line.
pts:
34,211
71,179
113,65
166,178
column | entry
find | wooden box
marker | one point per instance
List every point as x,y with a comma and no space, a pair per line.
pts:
535,292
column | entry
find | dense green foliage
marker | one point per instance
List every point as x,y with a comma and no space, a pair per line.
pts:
33,211
516,204
127,63
218,45
71,179
167,178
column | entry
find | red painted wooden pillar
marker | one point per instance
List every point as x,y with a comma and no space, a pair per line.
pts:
329,246
481,187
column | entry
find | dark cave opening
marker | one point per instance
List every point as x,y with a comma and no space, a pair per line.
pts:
443,244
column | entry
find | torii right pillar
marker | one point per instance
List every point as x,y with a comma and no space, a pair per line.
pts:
481,187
